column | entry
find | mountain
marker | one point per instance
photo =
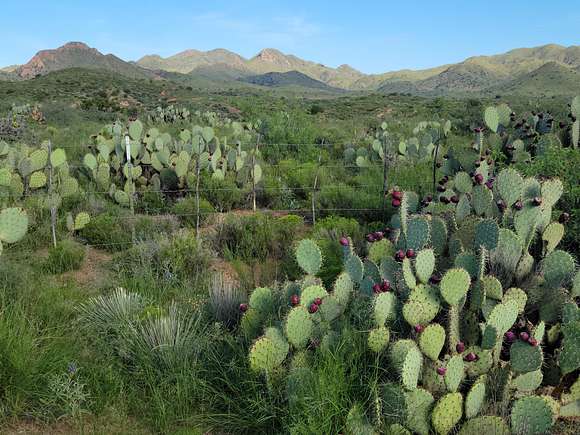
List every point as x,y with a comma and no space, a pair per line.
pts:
536,69
78,55
287,79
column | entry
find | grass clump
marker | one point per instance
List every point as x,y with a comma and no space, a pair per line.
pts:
67,255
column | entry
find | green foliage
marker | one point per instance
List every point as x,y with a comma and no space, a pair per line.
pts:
67,255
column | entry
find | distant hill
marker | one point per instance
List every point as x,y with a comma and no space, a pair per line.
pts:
291,78
78,55
539,70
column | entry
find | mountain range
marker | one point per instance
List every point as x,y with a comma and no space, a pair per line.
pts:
548,70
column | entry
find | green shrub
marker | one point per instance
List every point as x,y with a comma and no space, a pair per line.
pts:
185,210
224,194
67,255
108,231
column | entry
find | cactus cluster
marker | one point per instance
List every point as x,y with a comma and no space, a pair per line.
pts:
13,225
169,114
160,162
478,313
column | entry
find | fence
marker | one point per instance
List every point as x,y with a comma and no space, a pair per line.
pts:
325,194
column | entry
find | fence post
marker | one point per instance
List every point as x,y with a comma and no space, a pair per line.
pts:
313,196
50,192
385,178
435,166
132,186
197,172
254,175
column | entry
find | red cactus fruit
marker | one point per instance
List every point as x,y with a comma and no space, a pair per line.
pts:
344,241
318,301
564,218
313,308
460,347
243,308
524,336
385,285
410,253
510,336
441,371
419,329
478,178
533,342
470,357
397,194
400,255
537,201
519,205
376,288
294,300
396,202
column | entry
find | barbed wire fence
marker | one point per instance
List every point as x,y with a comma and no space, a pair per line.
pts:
314,201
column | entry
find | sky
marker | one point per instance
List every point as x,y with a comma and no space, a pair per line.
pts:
372,36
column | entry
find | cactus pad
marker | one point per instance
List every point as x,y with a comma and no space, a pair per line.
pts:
447,413
424,265
266,354
310,293
510,185
455,373
481,200
454,285
419,402
354,268
525,358
343,288
569,359
528,382
485,425
558,268
299,327
503,316
531,415
518,296
463,182
408,360
552,235
422,306
385,308
408,275
431,341
381,249
262,300
491,117
308,256
418,233
486,234
552,191
13,224
378,339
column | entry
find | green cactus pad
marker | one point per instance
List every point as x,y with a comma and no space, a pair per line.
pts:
503,316
447,413
463,182
418,233
481,365
424,265
531,415
408,275
431,341
526,223
489,337
310,293
422,306
463,208
569,359
475,399
525,358
378,339
518,296
419,401
57,157
385,308
407,359
528,382
135,130
81,220
493,288
354,268
330,310
371,270
558,268
357,424
397,429
381,249
308,256
13,224
486,234
394,404
37,180
481,200
510,185
467,261
552,235
262,300
266,354
551,192
438,235
455,373
485,425
299,327
491,117
343,288
454,285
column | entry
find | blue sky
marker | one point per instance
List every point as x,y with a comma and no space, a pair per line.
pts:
373,36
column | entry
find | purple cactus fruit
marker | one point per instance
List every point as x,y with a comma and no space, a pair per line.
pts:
470,357
435,279
429,198
378,235
318,301
376,288
385,285
460,347
396,203
454,199
294,300
419,329
410,253
441,371
397,194
524,336
370,238
313,308
510,337
400,255
444,199
344,241
440,188
243,308
501,205
533,341
478,178
519,205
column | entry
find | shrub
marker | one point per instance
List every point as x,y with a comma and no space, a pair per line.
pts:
67,255
185,210
224,195
108,231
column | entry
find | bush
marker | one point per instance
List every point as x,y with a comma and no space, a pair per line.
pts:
67,255
224,194
186,211
108,231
